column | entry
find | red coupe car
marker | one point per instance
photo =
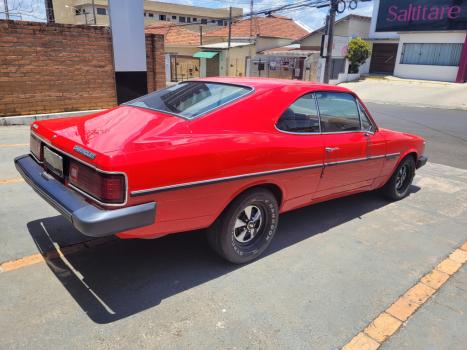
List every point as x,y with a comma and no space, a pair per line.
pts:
227,154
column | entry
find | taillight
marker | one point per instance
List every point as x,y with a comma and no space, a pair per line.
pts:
36,148
107,188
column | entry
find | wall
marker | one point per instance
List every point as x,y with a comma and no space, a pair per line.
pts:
56,68
428,72
263,43
379,35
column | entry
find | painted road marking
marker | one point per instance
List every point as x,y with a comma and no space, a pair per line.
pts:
11,145
53,254
11,181
393,318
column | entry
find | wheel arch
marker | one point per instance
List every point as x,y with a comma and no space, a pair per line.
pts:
274,188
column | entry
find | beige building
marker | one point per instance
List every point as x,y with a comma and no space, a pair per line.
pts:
83,12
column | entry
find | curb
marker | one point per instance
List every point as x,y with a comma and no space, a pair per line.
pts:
29,119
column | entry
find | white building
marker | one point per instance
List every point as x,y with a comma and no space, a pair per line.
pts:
420,39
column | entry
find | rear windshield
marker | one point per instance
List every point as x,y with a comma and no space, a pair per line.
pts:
190,99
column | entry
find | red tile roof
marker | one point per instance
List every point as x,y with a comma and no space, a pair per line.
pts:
269,26
174,34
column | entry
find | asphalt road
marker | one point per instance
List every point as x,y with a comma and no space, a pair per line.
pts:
331,269
444,129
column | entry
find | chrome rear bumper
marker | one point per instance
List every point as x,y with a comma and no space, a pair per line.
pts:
85,217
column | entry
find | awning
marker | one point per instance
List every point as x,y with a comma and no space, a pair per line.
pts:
205,54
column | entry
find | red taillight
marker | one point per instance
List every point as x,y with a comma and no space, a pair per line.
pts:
36,147
107,188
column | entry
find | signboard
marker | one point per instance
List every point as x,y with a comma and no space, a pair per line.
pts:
421,15
339,46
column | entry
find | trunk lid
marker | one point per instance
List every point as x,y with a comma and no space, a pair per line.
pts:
119,130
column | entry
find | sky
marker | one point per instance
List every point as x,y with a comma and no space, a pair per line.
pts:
311,18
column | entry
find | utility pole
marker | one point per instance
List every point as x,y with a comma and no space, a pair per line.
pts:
201,35
7,12
330,33
49,11
228,42
94,12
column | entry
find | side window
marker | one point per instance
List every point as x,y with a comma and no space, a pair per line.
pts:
366,123
301,116
338,112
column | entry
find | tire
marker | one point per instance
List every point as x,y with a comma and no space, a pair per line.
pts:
398,185
245,229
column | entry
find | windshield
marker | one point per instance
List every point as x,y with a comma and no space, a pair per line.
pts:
190,99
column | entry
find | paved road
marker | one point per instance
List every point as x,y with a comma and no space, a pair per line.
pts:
331,269
445,130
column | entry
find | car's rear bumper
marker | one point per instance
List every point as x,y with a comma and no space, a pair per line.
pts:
421,161
85,217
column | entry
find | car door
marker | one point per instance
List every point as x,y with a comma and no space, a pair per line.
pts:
346,145
376,144
300,146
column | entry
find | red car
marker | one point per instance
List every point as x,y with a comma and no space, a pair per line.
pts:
227,154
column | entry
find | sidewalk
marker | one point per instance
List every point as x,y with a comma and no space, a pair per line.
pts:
416,93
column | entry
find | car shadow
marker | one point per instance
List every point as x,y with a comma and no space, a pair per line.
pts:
120,278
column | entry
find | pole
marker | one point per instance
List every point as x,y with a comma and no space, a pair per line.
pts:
201,35
330,32
49,11
251,29
94,11
7,12
228,42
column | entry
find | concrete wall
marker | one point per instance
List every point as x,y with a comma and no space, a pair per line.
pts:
56,68
380,35
263,43
428,72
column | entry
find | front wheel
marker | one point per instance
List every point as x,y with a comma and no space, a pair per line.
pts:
246,228
398,185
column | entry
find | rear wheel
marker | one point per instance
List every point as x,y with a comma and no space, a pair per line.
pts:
246,228
398,185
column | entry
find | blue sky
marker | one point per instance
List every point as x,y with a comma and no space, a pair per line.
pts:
312,18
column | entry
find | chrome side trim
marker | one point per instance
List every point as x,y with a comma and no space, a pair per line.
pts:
94,168
221,179
244,176
349,161
392,155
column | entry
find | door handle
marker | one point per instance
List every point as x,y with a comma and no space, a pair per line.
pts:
331,149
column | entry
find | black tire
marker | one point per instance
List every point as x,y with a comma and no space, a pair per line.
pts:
242,244
398,185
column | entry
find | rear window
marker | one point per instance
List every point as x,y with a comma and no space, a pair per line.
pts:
190,99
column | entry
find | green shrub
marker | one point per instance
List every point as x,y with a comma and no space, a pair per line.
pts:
357,53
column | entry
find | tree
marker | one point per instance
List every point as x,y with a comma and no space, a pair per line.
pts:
357,53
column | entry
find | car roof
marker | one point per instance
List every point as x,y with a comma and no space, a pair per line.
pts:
270,83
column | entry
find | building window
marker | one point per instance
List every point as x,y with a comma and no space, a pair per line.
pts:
431,54
174,17
188,19
77,12
151,14
182,19
213,21
162,17
195,19
101,11
220,22
204,21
